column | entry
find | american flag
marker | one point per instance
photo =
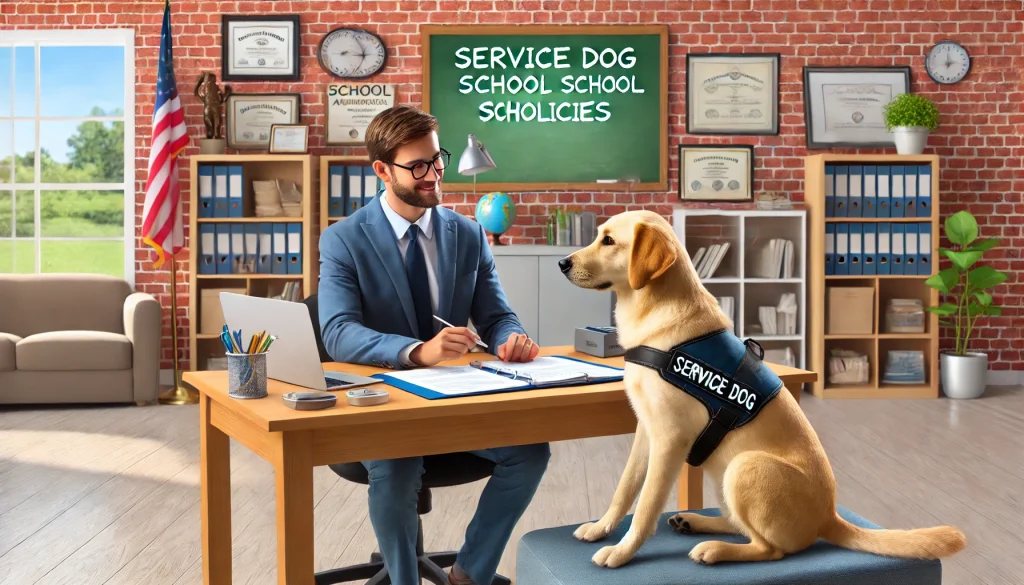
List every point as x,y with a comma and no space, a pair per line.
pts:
161,215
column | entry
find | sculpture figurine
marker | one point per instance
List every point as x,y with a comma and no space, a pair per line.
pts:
213,98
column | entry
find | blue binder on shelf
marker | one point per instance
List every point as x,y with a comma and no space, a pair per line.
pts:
830,190
856,257
830,249
870,265
237,247
842,190
252,247
910,249
924,191
524,381
336,199
870,191
294,248
222,248
265,259
910,191
884,248
280,248
236,191
205,191
898,249
842,248
924,249
898,191
883,187
220,191
354,195
856,191
207,248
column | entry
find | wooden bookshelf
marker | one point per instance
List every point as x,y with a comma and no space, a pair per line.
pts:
327,217
298,169
884,287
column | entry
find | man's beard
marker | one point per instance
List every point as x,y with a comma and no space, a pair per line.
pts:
415,198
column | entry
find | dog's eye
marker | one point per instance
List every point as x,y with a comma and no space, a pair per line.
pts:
607,241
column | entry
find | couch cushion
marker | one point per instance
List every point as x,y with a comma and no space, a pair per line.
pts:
7,343
35,303
552,556
74,350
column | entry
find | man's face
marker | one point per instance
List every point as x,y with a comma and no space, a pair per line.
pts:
424,191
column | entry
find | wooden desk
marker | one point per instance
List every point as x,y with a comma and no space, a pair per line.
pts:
296,441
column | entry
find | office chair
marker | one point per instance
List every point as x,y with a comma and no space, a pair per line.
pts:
439,471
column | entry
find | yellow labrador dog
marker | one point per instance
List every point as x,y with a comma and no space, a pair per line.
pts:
776,483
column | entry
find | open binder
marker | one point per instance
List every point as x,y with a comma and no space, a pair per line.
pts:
489,377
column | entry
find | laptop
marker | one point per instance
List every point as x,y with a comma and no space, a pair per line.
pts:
294,357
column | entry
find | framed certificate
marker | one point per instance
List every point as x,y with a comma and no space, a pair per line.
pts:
732,93
259,48
351,107
289,139
251,115
716,172
845,106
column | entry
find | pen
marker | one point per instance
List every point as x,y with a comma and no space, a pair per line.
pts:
450,325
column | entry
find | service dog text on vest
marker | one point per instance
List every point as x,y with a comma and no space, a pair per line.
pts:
713,382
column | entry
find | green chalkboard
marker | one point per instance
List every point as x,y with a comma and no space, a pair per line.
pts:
556,106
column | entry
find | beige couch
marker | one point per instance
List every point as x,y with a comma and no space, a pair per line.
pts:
77,338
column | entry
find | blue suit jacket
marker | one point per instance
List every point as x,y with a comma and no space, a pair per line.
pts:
367,314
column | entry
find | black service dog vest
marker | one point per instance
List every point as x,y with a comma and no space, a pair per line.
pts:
722,372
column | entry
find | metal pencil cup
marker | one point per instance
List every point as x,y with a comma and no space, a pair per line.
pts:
247,375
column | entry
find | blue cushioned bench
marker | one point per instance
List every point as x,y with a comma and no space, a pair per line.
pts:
552,556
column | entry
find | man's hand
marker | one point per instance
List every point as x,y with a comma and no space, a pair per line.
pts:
518,348
450,343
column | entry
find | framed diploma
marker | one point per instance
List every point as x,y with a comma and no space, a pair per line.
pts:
716,172
732,93
845,106
289,139
259,48
351,107
251,115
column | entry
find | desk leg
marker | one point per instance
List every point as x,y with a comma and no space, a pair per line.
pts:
293,468
215,498
691,488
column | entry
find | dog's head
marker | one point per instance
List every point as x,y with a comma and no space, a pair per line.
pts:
632,249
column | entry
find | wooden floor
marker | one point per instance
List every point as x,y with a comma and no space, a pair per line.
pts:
109,495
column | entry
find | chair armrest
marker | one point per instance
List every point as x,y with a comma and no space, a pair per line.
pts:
143,327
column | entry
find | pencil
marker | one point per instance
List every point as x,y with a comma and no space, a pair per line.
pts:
478,341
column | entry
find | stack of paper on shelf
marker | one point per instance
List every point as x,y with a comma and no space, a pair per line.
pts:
775,259
783,356
728,306
780,319
707,259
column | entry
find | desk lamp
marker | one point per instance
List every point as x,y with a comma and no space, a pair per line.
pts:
475,160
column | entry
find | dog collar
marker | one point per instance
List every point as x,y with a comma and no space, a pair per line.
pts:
722,372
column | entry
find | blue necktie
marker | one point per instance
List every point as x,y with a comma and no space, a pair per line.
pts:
416,269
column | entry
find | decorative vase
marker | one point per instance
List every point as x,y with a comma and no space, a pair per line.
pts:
963,376
910,140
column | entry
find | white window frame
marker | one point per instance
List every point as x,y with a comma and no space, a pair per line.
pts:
120,37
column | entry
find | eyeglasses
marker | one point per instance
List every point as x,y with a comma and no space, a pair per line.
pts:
420,169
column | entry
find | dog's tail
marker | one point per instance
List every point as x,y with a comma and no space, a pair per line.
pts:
921,543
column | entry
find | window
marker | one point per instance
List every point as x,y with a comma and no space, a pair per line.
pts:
67,147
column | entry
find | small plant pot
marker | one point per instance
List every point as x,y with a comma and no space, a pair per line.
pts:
910,140
964,376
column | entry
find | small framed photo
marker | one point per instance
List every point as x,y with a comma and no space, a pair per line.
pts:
250,116
732,93
716,172
259,48
845,106
289,139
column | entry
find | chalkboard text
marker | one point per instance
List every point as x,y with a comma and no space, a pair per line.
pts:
607,77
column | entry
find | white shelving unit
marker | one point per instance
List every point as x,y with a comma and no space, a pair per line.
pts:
747,231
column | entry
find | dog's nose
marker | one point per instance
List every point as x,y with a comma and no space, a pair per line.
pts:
565,264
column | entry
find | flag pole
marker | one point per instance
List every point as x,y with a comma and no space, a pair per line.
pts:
178,394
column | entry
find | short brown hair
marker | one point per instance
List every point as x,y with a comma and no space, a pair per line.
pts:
395,127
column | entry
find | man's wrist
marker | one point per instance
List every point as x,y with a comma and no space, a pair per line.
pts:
406,358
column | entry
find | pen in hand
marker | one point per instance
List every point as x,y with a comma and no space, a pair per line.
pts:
447,324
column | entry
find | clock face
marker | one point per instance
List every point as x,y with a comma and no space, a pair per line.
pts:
352,53
947,62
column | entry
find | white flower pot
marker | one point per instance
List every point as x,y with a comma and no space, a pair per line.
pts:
964,376
910,140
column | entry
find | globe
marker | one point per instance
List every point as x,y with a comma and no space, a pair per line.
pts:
496,212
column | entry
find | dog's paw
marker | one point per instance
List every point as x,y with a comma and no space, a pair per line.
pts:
705,552
679,524
612,556
591,532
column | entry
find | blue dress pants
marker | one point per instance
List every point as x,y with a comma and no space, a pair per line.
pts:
392,493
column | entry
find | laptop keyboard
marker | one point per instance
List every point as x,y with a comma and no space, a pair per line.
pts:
334,383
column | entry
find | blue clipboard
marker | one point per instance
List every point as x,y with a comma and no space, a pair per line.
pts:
582,380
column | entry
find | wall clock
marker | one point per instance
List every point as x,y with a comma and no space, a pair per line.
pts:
947,62
352,53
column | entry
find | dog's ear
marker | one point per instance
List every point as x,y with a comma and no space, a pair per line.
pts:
650,256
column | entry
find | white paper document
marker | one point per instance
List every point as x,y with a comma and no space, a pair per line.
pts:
548,370
456,380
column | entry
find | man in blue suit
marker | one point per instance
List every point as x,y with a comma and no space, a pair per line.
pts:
385,271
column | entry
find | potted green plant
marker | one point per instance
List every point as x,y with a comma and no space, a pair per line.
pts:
910,118
962,371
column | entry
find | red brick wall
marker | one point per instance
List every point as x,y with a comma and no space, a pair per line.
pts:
980,138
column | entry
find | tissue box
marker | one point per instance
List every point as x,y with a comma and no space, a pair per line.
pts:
598,341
